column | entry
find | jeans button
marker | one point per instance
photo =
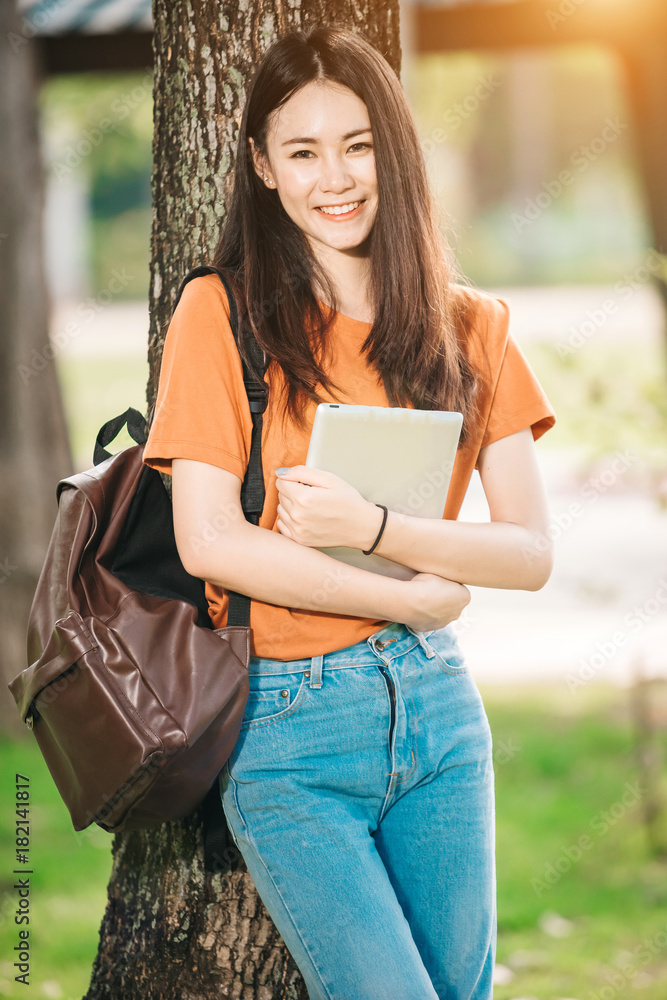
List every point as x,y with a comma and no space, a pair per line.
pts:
381,644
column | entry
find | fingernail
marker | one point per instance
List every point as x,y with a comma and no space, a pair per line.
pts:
282,470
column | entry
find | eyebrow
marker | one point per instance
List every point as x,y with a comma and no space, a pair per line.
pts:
312,142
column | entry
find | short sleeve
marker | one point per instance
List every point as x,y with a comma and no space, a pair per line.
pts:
202,411
518,400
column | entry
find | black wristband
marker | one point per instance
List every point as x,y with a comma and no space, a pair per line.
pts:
367,552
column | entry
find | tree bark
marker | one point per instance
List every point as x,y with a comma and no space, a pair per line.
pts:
34,444
172,930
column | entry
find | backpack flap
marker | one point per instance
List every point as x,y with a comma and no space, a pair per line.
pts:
69,642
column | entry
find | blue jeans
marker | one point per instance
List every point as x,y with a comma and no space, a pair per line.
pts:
361,795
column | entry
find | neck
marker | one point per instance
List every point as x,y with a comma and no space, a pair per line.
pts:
349,273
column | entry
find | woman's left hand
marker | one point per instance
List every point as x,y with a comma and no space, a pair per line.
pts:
320,509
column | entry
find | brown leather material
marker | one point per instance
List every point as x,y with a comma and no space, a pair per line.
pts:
135,707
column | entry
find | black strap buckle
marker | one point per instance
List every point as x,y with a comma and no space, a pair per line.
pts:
258,397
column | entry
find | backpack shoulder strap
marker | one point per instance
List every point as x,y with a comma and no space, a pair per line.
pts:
252,490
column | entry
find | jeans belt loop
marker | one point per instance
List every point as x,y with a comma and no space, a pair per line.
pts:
316,671
430,653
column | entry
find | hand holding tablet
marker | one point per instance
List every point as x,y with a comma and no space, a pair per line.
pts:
396,456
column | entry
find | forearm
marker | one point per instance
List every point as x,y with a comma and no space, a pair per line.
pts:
495,554
271,568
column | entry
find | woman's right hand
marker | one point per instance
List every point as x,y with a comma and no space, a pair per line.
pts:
433,602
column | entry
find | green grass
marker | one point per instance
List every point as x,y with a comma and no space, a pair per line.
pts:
569,759
570,841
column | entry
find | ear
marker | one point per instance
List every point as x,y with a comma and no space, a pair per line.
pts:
259,163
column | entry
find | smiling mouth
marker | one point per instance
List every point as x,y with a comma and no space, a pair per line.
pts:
345,211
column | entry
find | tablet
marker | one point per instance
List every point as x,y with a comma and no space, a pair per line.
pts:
396,456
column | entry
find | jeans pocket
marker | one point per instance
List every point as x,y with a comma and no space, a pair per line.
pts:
273,697
447,651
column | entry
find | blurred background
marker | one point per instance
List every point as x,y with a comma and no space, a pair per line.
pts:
544,129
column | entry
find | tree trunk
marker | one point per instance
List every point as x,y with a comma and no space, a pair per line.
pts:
34,444
172,930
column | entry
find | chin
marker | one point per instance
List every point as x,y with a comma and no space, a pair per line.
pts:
349,242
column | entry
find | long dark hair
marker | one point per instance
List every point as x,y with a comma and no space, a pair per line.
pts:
421,319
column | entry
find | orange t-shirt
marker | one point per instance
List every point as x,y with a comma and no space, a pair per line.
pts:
202,413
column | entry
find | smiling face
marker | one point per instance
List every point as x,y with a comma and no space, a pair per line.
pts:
322,165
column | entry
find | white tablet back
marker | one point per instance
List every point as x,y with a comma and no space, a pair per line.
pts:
397,456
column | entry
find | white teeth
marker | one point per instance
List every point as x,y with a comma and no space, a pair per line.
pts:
340,210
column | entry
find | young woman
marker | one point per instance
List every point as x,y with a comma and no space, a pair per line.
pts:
360,791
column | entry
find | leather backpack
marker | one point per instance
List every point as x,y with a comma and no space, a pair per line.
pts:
135,700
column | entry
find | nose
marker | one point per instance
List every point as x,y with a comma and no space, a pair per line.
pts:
335,177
